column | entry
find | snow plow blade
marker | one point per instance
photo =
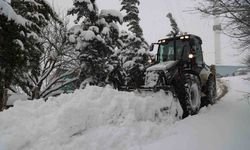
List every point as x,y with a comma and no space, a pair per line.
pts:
166,89
171,108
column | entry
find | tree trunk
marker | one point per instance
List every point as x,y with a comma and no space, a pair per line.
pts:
3,94
5,98
36,93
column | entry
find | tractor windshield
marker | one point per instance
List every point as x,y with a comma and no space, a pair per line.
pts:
166,51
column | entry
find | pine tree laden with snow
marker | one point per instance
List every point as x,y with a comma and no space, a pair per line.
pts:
96,39
134,55
175,29
39,12
132,60
132,16
19,26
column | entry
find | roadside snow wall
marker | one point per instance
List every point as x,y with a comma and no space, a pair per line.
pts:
88,115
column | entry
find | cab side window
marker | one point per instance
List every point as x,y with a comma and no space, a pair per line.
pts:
166,52
198,51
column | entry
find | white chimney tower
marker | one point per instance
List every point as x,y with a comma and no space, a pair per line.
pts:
217,38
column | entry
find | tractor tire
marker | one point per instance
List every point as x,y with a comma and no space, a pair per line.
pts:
192,97
210,91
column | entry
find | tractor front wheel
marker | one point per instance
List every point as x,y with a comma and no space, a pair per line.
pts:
192,97
210,91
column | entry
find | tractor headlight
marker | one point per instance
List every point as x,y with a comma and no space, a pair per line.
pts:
150,61
182,37
191,56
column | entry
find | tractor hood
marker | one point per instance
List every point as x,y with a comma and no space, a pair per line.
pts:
162,66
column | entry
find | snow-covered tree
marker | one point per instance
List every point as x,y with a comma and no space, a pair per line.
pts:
58,65
132,16
10,26
132,60
96,39
175,29
20,22
134,54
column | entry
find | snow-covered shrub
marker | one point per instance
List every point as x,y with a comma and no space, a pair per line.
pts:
58,67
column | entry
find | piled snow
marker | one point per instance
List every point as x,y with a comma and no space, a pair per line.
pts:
151,78
14,97
221,87
105,119
93,118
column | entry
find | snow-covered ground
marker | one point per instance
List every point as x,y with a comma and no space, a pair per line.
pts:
223,126
105,119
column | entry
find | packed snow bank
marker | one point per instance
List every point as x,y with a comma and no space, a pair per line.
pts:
105,119
16,96
93,118
223,126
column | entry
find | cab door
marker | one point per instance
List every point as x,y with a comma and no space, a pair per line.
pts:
198,53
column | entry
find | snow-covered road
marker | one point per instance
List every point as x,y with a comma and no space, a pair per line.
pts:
224,126
105,119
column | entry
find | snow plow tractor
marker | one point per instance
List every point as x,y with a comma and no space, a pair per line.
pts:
179,67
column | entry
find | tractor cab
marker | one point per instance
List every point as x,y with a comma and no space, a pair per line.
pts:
186,48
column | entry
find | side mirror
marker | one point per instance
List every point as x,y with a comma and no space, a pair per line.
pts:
151,47
203,64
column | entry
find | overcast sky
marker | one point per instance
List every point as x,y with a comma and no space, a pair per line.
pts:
155,24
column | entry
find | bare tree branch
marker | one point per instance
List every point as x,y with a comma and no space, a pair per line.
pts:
237,18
